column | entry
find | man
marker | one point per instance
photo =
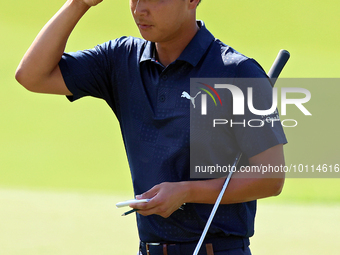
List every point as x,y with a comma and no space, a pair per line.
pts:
142,81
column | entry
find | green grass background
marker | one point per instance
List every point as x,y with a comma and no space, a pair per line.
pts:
47,143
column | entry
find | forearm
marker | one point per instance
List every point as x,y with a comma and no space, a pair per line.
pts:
240,189
243,186
43,56
167,197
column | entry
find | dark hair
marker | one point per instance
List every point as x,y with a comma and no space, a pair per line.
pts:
199,2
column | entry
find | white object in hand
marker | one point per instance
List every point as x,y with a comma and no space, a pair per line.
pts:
131,201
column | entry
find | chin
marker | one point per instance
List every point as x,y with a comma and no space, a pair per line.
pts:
148,37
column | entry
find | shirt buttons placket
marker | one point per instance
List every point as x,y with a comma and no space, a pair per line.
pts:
162,98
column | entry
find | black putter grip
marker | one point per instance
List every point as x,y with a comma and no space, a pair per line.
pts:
278,65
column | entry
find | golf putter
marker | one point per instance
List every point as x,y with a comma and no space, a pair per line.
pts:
273,74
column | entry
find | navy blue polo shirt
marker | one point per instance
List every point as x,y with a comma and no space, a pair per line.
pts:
155,123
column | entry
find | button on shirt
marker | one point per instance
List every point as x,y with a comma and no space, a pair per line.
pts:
155,121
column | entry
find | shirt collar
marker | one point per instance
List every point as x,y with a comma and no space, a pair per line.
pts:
194,50
148,52
197,46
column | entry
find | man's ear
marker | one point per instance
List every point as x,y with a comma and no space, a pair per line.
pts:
193,3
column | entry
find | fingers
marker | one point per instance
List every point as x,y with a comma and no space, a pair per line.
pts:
90,3
150,193
154,206
157,208
165,198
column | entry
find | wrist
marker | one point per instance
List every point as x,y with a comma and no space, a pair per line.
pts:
80,4
188,191
203,191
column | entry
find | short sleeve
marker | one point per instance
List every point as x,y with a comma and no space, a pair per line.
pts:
256,133
88,72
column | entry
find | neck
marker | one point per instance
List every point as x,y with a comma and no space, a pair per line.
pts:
169,51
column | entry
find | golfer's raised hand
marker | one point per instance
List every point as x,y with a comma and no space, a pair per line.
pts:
90,2
166,198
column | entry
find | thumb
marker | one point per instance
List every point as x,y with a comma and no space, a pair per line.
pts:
149,194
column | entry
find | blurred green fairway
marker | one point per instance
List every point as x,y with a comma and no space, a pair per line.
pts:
48,144
62,223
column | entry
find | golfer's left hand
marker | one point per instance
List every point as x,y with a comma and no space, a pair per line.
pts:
166,198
